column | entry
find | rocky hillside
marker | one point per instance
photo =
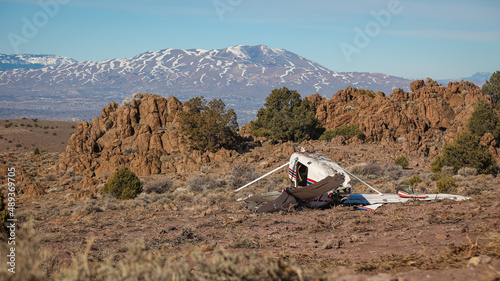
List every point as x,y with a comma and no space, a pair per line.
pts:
422,119
142,132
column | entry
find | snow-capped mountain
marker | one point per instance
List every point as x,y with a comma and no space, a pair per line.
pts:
31,61
241,75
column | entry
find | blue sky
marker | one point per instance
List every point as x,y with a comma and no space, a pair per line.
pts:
409,38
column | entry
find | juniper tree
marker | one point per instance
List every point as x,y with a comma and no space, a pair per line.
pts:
484,120
208,125
286,117
466,151
492,87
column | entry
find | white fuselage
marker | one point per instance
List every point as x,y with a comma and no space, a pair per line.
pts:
308,168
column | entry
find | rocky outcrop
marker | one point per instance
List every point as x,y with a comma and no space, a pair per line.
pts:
141,134
421,119
25,183
489,141
28,185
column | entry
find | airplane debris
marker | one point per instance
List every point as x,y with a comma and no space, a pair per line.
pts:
317,181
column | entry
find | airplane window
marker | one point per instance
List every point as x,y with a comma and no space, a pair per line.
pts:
301,174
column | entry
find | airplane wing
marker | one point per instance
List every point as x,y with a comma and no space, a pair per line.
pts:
261,198
314,190
371,207
254,200
293,196
370,199
282,202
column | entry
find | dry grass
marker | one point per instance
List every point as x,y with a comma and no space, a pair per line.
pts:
241,174
159,186
203,182
140,262
243,241
375,170
438,217
329,222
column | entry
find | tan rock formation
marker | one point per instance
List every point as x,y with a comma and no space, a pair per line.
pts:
141,133
25,183
422,119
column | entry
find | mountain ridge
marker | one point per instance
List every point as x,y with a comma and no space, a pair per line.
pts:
478,78
240,75
31,61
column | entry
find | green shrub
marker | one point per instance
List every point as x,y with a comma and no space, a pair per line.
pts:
467,172
3,214
124,184
413,181
402,161
347,131
437,164
37,151
484,120
369,93
466,151
286,117
446,185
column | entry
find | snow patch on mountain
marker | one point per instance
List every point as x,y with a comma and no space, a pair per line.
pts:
28,61
240,75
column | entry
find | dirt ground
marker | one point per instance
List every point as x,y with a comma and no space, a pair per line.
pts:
24,135
443,240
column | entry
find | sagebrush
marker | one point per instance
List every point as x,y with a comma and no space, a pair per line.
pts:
402,161
466,151
348,131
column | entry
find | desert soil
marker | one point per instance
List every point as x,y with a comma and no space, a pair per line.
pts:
414,241
24,135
